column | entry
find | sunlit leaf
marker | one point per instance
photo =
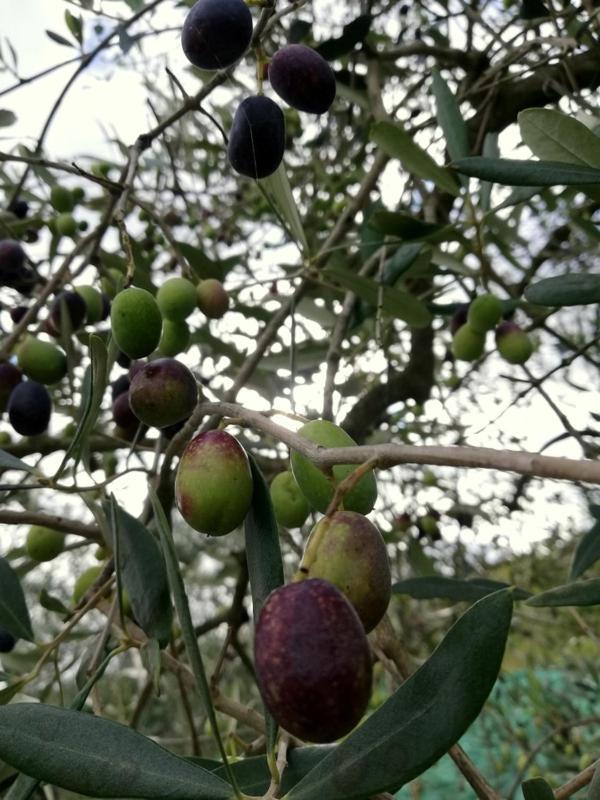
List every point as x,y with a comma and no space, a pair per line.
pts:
554,136
279,191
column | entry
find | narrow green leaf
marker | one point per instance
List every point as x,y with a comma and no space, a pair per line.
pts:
396,142
7,118
7,694
352,34
14,616
74,24
52,603
514,172
554,136
490,150
261,532
187,626
254,777
424,717
91,400
97,757
594,787
405,257
265,567
8,461
587,551
308,356
393,223
396,303
56,37
202,265
579,593
436,586
450,119
570,289
24,787
278,190
537,789
143,573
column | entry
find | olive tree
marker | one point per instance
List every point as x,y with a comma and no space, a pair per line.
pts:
361,235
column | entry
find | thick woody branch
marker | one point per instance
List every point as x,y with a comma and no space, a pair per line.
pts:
390,455
55,521
546,85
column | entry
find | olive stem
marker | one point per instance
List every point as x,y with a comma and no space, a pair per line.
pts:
348,484
312,548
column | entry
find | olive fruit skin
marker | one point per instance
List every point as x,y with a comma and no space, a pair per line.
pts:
66,224
176,299
212,298
513,343
347,550
7,641
312,659
216,33
136,322
174,339
29,408
289,504
62,199
123,415
163,392
213,485
316,486
84,581
257,137
41,361
468,344
94,303
12,262
459,317
302,78
75,307
484,313
10,376
44,544
118,386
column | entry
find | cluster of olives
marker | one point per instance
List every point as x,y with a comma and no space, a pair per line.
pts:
140,325
40,363
160,394
64,201
471,324
312,657
216,34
